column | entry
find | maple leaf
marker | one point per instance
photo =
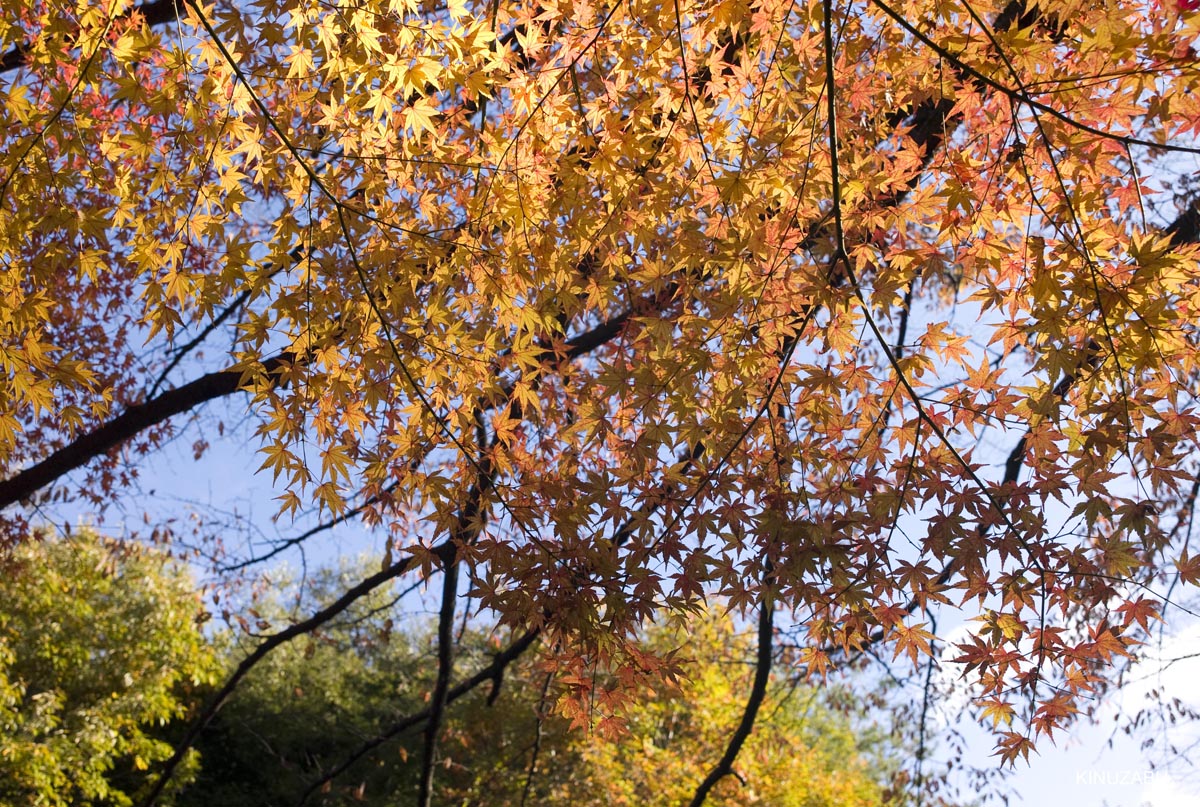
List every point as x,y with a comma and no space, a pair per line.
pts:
1013,745
1188,568
998,711
913,640
1139,611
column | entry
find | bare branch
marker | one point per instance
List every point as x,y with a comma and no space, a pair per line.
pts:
539,734
324,526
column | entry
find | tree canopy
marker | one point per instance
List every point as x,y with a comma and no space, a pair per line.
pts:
850,313
103,659
99,646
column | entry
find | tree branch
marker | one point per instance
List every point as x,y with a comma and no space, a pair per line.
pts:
437,705
539,733
209,387
492,672
283,637
155,12
1186,228
131,422
758,691
296,540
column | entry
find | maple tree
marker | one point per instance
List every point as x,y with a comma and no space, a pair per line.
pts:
594,311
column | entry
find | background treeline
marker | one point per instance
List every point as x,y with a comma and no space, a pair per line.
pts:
105,654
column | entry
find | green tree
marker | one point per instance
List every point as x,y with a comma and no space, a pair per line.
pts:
307,707
100,647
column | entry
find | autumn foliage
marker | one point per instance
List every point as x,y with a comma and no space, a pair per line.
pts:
848,313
